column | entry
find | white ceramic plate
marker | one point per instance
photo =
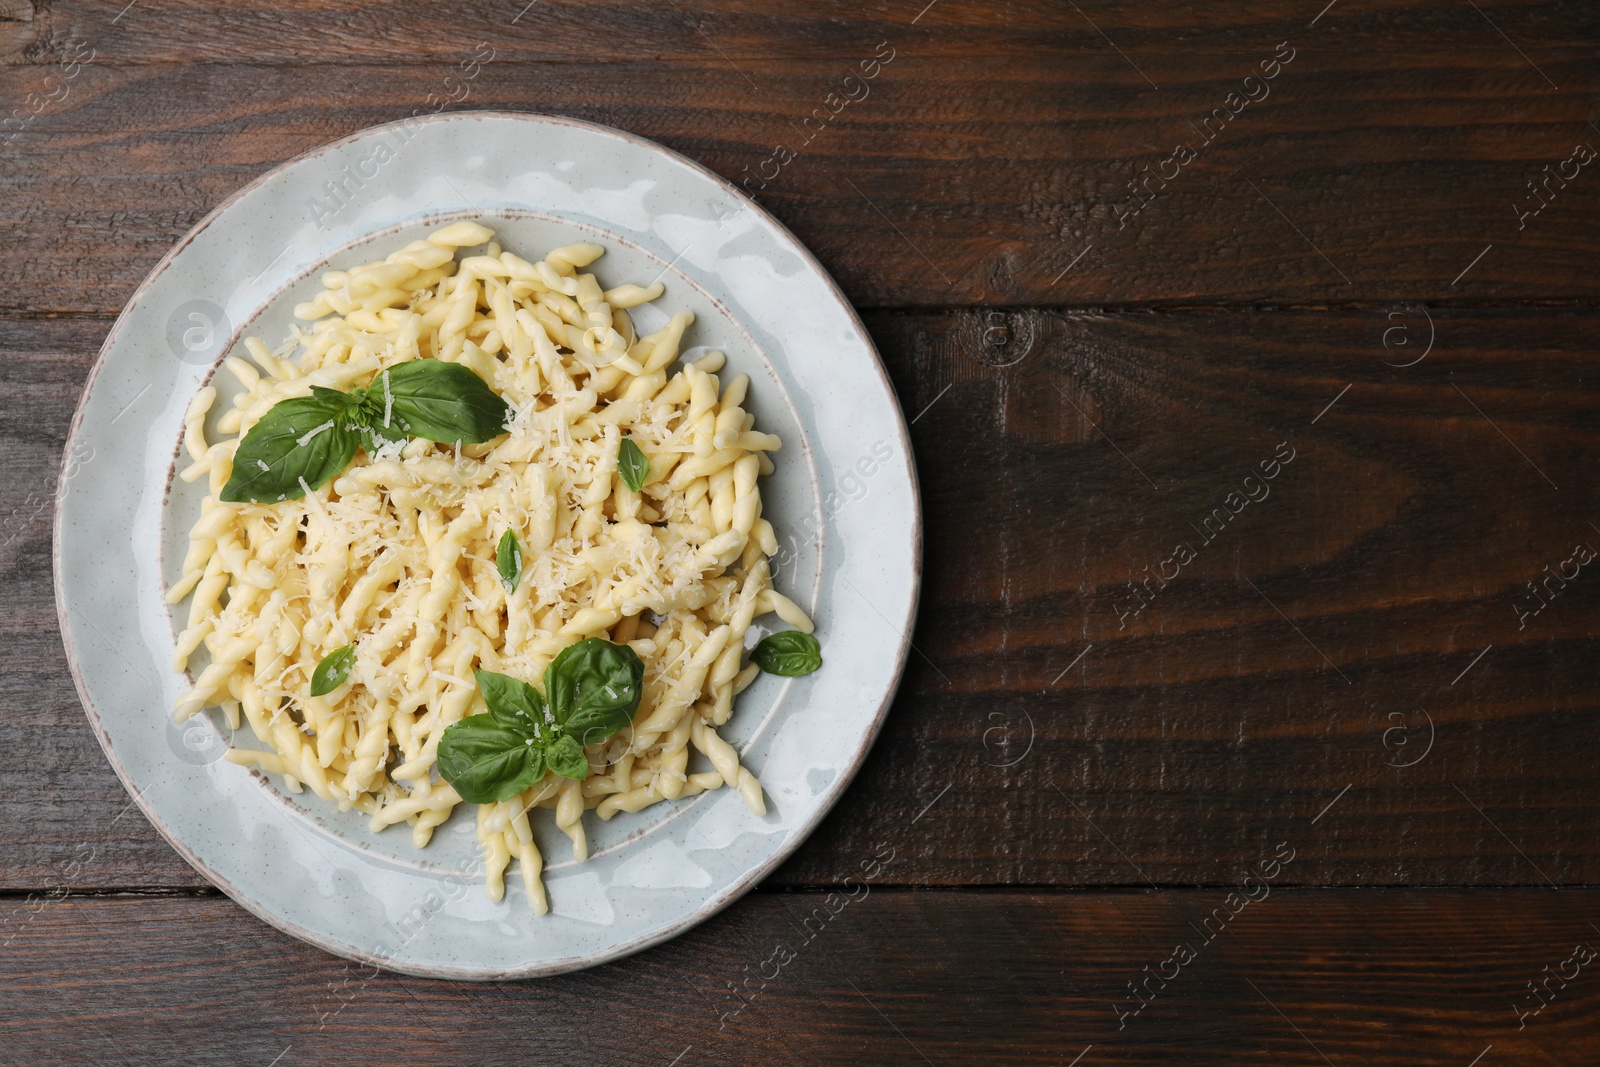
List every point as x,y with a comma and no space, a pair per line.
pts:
843,500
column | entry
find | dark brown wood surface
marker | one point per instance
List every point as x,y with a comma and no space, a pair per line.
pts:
996,145
944,977
1129,686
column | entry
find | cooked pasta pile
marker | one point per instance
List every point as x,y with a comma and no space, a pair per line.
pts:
396,555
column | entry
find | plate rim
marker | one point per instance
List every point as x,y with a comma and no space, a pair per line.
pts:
735,888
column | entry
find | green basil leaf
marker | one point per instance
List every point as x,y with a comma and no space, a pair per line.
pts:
444,402
486,761
333,396
565,757
512,702
332,670
364,423
594,688
788,653
508,558
305,439
632,464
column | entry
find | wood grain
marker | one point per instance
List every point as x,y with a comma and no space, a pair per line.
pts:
1350,669
995,149
1423,978
1307,654
301,32
1263,681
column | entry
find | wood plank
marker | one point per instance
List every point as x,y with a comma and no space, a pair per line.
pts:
1306,646
994,149
1425,978
67,809
1398,543
362,31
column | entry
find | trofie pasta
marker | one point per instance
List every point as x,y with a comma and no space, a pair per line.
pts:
415,563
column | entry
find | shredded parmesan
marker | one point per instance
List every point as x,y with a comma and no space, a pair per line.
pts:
311,434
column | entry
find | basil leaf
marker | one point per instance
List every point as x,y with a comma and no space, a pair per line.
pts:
377,421
788,653
304,439
367,425
333,396
443,402
486,761
512,702
632,464
332,670
565,757
594,688
508,558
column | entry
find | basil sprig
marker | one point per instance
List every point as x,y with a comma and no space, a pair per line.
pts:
788,653
591,690
632,464
332,670
508,560
306,441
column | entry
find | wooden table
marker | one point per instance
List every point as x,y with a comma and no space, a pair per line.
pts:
1250,350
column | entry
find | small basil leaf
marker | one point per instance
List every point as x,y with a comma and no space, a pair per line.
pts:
357,421
444,402
372,438
594,688
565,757
508,558
486,761
512,702
332,670
367,416
303,439
788,653
632,464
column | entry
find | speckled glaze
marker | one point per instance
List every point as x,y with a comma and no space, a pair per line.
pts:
844,501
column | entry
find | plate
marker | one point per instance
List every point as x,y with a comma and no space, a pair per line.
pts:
844,501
